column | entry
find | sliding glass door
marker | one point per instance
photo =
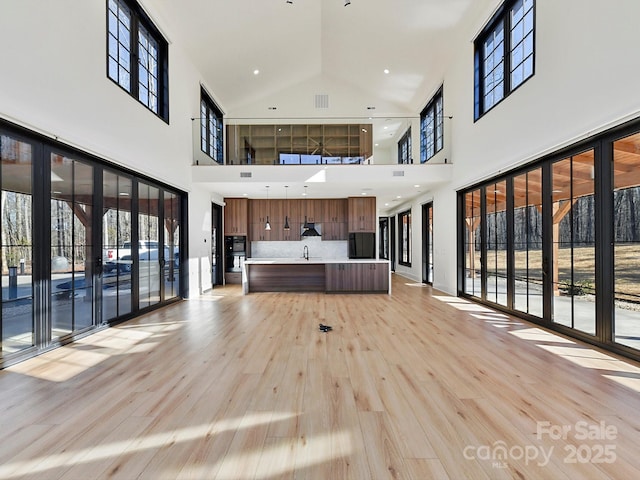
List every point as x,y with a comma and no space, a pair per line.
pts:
573,270
150,249
82,244
626,237
72,253
527,242
172,227
117,238
558,242
16,204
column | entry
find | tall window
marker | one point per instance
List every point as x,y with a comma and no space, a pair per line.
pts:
432,128
210,128
504,54
137,55
404,149
404,237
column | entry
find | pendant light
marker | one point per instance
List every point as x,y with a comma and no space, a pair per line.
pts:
286,206
267,225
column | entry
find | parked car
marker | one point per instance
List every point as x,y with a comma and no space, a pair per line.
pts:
121,257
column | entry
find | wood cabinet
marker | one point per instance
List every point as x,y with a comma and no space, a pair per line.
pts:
236,216
311,210
278,211
334,231
357,277
334,210
257,233
338,217
362,214
334,219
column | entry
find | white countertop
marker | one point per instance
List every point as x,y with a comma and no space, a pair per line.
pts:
312,260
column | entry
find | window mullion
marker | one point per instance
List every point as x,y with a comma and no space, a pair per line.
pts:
506,83
135,68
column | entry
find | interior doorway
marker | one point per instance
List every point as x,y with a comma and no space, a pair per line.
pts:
217,270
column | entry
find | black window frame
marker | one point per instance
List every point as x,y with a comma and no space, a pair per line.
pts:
502,18
140,23
209,110
404,149
401,239
435,108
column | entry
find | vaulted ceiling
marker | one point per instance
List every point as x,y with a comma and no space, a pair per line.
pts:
319,47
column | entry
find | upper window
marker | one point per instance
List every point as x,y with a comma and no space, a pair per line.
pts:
210,128
432,128
137,55
404,148
504,54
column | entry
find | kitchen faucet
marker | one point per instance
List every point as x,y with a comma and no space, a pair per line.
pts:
305,253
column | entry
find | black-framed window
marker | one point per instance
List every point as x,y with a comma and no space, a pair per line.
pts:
404,148
80,267
571,232
210,128
137,55
404,237
504,54
432,128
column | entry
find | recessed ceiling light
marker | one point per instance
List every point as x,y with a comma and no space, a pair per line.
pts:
256,71
245,194
385,127
417,186
386,71
375,144
398,196
386,204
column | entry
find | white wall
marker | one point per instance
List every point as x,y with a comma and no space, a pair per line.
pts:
54,81
586,71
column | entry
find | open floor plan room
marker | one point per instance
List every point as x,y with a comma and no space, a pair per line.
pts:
414,385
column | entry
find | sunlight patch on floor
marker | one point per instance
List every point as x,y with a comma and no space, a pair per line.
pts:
135,444
59,369
64,363
277,460
421,285
632,383
539,335
447,299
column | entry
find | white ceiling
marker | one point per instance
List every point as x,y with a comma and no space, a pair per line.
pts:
318,47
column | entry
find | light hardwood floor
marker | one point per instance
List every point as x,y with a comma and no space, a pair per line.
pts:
416,385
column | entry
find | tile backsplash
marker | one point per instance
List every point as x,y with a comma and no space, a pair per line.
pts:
318,248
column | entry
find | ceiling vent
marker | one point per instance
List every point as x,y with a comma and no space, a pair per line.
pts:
322,100
398,173
245,174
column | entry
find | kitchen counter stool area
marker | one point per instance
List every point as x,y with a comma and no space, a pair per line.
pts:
316,275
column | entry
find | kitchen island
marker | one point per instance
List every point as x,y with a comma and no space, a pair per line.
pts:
315,275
